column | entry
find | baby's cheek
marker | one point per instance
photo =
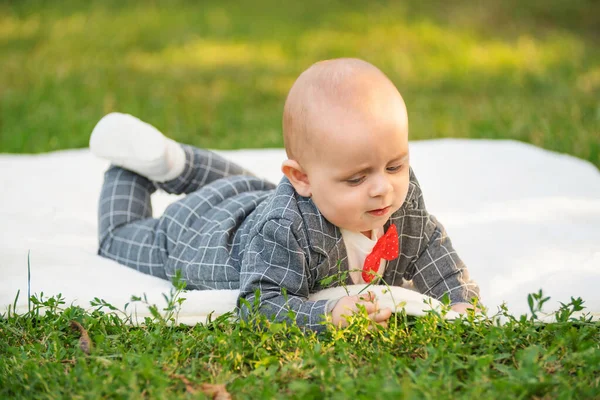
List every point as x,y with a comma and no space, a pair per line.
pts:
403,197
332,211
402,189
342,211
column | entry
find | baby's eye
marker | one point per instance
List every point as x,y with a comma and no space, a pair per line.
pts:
395,168
355,181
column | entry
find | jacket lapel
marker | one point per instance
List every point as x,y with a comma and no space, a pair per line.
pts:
325,242
390,275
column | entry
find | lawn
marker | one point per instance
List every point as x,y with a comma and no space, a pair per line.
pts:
215,74
72,353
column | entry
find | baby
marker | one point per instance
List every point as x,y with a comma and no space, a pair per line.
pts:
348,203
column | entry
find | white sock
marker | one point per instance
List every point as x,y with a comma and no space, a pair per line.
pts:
135,145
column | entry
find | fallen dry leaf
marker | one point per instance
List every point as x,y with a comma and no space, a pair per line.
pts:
189,386
85,343
217,392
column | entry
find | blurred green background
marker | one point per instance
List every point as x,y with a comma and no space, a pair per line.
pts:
216,73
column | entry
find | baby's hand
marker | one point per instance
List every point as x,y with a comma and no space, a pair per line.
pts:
349,305
463,307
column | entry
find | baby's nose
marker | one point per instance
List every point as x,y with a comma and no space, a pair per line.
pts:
381,186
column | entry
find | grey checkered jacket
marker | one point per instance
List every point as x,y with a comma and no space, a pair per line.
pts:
236,231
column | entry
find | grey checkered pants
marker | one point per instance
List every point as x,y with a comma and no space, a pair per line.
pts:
202,234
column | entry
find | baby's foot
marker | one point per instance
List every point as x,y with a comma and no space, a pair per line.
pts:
137,146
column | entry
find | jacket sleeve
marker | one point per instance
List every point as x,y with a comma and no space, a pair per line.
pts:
438,269
275,264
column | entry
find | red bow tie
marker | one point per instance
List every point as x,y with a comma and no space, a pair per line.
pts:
386,248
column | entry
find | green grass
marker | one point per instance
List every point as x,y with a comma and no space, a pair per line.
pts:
215,73
427,357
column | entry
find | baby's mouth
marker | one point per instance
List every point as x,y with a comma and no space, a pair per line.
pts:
380,211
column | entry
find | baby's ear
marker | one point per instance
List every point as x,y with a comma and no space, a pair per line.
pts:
297,177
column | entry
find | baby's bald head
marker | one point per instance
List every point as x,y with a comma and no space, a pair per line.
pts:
329,95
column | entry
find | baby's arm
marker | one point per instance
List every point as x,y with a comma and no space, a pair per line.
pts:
275,264
437,269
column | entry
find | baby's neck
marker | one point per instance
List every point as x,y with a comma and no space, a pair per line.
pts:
374,234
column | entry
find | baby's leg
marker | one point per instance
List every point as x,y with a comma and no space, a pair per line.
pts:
127,232
130,143
200,168
137,146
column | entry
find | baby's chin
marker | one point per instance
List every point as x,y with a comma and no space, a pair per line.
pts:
363,223
371,221
366,227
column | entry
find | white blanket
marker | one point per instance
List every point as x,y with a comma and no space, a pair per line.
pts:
522,218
